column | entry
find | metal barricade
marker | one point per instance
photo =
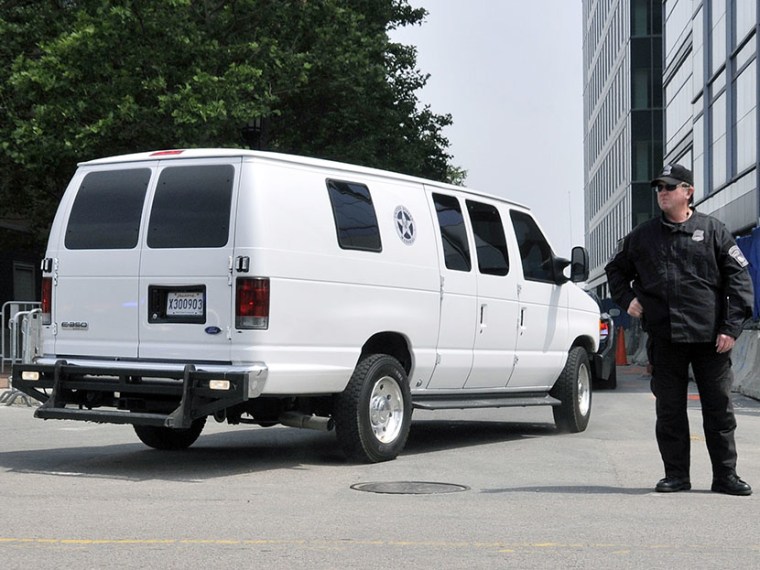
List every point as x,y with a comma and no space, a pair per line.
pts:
10,349
24,345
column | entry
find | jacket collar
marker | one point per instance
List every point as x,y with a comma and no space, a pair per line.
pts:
688,226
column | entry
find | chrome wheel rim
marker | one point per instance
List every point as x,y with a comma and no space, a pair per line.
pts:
386,409
584,390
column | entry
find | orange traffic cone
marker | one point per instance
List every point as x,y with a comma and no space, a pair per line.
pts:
621,358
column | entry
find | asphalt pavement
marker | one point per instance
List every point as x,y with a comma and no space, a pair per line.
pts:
473,489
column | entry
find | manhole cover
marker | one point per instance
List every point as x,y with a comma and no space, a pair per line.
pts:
409,488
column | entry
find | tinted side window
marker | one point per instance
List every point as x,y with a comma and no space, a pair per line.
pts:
354,213
535,252
490,243
456,250
192,207
107,210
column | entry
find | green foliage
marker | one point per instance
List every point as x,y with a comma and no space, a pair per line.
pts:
81,79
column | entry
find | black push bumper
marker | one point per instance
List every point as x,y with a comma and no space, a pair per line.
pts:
170,396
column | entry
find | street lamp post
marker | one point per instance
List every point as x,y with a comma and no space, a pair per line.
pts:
254,133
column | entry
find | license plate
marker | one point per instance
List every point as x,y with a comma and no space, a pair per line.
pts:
184,304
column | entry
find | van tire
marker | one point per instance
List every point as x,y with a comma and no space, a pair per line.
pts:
573,390
170,439
374,413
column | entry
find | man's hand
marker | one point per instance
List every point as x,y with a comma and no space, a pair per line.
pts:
724,343
635,309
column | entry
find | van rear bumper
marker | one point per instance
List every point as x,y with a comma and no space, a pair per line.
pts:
145,393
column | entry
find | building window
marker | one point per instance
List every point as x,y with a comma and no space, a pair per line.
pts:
745,54
24,287
677,24
678,97
746,19
718,144
718,35
698,49
699,157
746,118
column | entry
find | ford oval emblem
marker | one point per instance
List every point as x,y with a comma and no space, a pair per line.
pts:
213,330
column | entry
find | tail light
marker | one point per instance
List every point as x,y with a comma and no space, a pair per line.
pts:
252,303
46,305
604,330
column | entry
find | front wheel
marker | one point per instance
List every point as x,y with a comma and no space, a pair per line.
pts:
573,390
374,413
170,439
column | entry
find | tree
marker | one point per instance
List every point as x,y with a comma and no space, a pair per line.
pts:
81,79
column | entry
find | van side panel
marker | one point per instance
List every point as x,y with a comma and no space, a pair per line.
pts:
325,301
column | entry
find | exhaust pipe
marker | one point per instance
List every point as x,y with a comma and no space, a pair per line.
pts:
303,421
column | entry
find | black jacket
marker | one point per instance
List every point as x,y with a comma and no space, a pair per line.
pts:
691,278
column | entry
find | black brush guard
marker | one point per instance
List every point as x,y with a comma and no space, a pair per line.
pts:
170,398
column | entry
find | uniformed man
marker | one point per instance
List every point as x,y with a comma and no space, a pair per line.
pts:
684,276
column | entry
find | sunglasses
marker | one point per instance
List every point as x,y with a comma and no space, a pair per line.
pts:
669,187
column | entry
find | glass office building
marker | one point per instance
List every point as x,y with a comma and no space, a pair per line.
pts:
623,121
711,93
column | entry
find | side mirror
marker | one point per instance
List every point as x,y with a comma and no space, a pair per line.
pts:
579,265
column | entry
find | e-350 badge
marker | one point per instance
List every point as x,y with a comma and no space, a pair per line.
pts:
75,325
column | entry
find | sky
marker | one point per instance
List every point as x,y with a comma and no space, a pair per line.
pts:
510,74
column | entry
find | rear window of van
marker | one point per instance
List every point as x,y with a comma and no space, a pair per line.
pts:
107,210
191,207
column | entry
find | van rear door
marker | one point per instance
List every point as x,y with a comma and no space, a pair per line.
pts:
186,290
95,290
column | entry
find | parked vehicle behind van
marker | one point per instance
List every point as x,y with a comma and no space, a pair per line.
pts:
261,288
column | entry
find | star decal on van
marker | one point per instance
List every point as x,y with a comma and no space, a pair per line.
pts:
405,227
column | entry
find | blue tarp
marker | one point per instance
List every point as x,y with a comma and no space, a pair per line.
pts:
750,246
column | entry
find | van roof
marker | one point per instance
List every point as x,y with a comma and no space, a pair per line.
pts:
195,153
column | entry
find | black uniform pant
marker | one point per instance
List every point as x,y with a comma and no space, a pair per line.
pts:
670,378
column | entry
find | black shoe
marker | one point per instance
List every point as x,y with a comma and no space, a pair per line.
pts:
672,485
731,485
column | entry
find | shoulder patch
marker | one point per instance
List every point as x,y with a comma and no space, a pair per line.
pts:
618,250
737,254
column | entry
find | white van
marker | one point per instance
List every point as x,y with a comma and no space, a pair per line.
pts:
264,288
